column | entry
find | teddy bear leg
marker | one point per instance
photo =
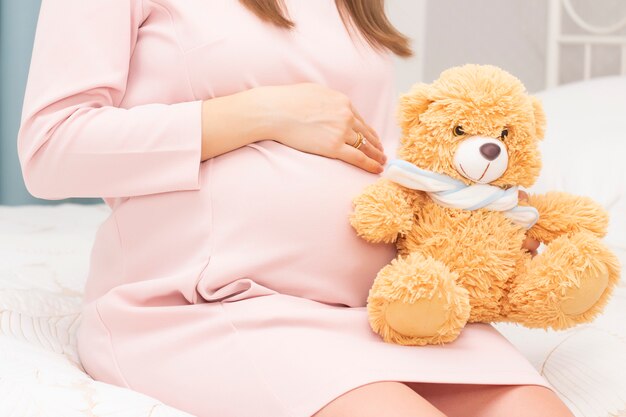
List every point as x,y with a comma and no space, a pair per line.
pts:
415,300
569,283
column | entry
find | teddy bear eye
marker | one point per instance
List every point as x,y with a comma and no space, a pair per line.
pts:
504,133
458,131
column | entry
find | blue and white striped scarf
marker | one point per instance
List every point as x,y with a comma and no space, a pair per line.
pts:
449,192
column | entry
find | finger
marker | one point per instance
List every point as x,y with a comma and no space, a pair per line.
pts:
373,152
522,195
356,114
367,127
359,126
369,149
359,159
530,244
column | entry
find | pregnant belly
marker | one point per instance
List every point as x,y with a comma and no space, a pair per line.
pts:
279,219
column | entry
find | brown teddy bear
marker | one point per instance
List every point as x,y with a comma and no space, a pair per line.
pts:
450,204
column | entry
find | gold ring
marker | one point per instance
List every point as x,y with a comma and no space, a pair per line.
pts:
359,140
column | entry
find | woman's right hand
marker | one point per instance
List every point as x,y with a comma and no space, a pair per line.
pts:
316,119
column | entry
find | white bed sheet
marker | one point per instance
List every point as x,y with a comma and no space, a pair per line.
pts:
584,152
44,255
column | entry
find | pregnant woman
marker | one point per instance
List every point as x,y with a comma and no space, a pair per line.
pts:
229,138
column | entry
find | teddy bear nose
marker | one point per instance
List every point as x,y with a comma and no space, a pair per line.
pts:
490,151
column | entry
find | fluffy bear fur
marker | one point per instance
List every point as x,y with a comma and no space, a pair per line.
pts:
456,266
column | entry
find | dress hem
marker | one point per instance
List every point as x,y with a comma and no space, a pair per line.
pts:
402,375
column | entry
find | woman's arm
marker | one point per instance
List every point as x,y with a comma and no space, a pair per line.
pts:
230,122
306,116
74,140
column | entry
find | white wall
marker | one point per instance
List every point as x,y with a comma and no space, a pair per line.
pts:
409,16
509,33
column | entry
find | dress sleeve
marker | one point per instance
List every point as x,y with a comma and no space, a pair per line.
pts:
74,140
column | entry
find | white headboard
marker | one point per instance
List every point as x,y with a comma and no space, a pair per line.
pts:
593,35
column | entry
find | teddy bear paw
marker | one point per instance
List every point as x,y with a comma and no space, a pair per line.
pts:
416,300
568,284
582,298
424,321
423,318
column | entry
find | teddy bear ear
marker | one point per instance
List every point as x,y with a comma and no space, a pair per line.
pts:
412,104
540,117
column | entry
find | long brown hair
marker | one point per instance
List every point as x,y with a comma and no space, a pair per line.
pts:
367,15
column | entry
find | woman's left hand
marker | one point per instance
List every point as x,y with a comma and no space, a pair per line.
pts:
529,244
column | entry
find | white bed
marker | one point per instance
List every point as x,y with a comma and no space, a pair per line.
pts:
44,255
584,152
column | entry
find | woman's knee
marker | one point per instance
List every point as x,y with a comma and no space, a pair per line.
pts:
527,400
380,399
472,400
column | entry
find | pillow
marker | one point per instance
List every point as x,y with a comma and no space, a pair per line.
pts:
584,151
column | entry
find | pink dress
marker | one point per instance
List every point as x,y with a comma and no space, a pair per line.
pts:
235,286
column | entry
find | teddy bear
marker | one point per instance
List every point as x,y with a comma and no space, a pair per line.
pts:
449,202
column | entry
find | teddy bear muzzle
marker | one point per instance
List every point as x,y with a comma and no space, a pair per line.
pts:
481,159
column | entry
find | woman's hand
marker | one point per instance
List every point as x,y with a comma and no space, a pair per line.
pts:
530,244
319,120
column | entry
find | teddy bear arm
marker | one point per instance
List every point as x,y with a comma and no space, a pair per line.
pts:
562,213
383,211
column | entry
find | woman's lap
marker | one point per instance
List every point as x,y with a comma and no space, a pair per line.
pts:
255,349
379,399
403,399
475,400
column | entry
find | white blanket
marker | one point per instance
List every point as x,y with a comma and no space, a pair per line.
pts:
44,255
